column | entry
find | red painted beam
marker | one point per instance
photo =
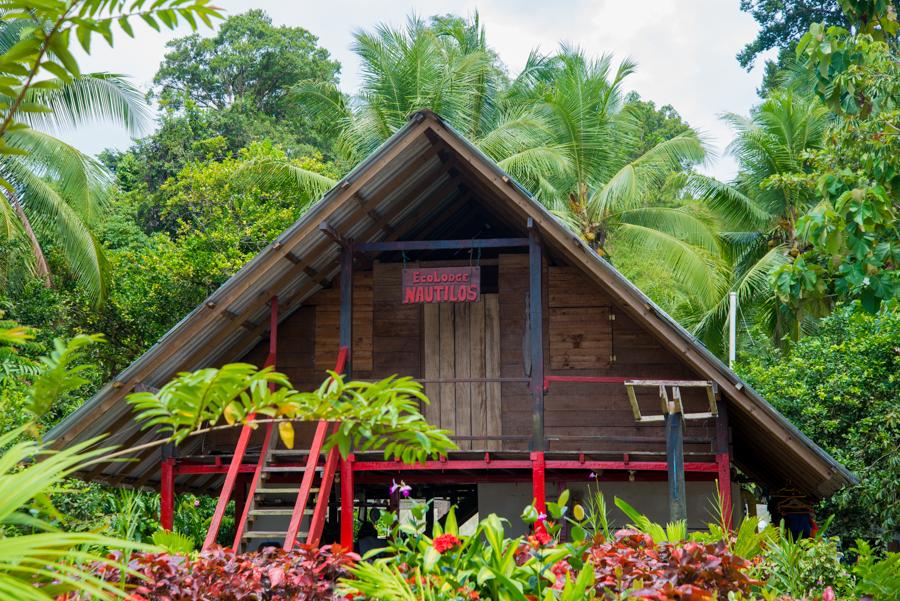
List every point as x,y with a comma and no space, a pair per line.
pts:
512,464
167,494
584,379
437,466
317,522
306,484
251,490
551,476
637,466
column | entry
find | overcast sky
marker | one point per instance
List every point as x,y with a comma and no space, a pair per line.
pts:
684,49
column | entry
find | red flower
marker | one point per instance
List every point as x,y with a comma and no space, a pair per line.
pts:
445,542
541,536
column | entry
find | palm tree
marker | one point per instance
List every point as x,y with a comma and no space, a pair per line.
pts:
445,66
54,193
761,208
558,127
607,195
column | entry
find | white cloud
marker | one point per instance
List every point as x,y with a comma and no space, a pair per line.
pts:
684,49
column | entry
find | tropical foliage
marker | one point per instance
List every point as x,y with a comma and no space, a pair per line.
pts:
253,128
50,188
643,561
372,415
840,387
38,559
219,574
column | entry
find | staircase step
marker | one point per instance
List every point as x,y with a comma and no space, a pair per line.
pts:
291,468
276,534
273,511
290,451
272,490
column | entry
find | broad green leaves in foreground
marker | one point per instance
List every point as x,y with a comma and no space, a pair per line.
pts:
46,556
372,415
38,561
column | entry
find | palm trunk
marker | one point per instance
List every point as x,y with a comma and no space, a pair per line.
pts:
41,268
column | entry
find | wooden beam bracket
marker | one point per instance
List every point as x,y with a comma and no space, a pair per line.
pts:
329,230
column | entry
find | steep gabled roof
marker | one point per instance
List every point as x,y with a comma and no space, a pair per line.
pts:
405,180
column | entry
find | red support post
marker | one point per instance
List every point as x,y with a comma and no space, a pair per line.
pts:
538,484
347,509
167,494
723,462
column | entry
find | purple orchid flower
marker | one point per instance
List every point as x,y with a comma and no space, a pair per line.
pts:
403,488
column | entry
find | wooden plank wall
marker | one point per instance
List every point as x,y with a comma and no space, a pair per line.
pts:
328,330
462,341
515,397
397,327
599,346
572,305
421,341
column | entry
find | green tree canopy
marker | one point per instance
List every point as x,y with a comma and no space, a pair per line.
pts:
783,22
840,387
249,60
220,94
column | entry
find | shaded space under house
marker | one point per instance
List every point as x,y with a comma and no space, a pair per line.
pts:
551,371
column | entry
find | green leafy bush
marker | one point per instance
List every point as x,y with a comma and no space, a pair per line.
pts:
840,388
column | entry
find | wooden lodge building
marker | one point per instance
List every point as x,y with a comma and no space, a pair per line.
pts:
547,364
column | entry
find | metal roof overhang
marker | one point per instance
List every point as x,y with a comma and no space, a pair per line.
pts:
415,175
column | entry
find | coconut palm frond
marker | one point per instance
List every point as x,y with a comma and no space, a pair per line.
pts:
530,165
89,99
692,267
276,174
323,102
676,222
753,290
81,180
53,215
737,209
635,182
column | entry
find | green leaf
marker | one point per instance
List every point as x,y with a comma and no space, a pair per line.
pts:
430,559
126,26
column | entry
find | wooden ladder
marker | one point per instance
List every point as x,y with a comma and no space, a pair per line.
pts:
268,501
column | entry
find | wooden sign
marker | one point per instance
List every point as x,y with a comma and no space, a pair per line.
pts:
441,285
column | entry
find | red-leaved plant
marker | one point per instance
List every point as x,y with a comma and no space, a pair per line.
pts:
303,574
688,571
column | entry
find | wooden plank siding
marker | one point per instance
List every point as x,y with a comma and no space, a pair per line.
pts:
328,314
585,335
591,337
462,342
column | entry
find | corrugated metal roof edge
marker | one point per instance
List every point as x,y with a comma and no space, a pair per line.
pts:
312,214
672,323
60,429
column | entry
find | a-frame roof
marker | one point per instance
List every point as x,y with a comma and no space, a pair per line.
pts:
423,171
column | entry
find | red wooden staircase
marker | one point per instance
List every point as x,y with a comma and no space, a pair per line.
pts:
272,487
